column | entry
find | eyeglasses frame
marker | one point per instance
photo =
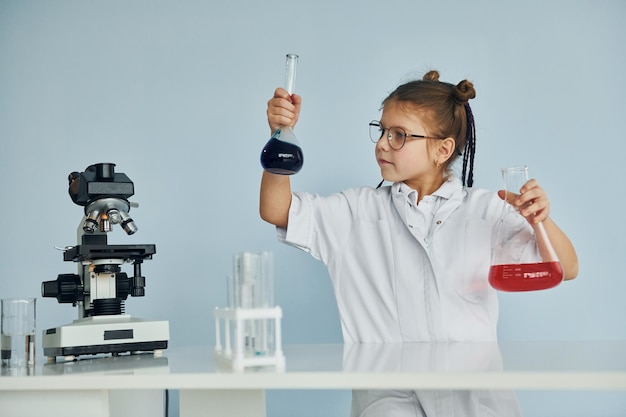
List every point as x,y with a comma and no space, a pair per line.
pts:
376,123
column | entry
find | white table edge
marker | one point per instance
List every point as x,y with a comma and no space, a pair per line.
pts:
539,380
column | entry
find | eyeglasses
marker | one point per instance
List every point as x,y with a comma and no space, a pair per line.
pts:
395,135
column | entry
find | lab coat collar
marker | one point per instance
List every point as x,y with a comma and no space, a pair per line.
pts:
447,190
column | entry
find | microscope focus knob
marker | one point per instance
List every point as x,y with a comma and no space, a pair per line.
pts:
66,288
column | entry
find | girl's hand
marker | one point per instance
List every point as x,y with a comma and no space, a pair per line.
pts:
283,109
532,203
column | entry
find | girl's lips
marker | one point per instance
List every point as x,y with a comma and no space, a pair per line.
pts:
382,161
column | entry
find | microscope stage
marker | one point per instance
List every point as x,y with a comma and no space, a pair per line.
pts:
113,334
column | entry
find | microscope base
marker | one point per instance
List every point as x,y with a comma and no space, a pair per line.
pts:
105,334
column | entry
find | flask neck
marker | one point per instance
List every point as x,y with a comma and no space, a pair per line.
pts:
285,134
290,73
514,178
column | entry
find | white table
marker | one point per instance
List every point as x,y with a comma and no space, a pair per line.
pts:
112,386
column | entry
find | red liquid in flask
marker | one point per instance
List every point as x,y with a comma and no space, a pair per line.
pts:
526,277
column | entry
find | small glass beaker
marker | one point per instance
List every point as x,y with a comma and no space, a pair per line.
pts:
514,264
17,332
282,153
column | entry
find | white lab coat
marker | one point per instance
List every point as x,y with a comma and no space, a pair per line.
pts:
403,272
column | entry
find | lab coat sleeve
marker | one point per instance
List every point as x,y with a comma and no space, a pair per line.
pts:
318,225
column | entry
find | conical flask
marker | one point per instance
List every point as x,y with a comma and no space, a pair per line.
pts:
514,263
282,153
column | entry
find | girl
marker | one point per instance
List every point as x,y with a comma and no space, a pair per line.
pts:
409,262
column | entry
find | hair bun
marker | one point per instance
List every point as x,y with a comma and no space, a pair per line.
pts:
464,92
431,76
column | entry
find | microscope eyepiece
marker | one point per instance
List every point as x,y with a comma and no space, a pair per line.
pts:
104,171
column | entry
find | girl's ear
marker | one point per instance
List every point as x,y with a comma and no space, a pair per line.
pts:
446,148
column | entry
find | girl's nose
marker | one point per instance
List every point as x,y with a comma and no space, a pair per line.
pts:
383,143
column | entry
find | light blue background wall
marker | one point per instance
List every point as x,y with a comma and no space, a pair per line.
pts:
174,93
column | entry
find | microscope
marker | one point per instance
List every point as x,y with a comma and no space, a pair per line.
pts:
100,288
